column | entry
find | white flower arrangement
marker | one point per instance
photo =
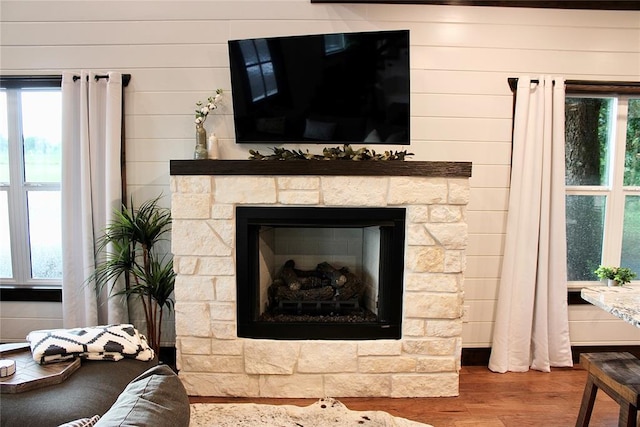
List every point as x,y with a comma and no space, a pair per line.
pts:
202,110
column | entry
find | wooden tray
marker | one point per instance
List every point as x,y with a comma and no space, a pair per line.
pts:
29,374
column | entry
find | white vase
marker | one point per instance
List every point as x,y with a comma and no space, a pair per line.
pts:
611,282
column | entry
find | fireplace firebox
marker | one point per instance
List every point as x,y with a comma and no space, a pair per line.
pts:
326,273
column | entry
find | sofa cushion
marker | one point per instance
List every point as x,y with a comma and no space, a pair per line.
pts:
89,391
157,397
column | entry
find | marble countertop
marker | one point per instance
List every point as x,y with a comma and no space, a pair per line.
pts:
621,301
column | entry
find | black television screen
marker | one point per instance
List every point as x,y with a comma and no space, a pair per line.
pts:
324,88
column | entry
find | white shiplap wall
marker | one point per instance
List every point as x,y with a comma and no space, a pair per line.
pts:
176,52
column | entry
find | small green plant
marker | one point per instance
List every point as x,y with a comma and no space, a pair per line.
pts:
621,275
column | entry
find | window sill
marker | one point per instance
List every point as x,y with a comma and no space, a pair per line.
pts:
30,294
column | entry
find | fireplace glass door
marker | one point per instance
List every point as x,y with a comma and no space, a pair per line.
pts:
319,273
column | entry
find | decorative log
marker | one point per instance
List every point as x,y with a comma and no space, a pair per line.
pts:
352,289
305,273
284,293
324,283
288,275
337,278
312,282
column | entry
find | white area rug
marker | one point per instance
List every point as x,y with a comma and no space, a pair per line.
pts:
323,413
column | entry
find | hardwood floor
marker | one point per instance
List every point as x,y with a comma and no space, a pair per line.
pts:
487,399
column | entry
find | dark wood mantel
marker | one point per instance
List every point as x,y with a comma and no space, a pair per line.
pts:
555,4
321,167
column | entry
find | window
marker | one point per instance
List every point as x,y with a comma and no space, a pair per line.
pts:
602,184
30,174
260,71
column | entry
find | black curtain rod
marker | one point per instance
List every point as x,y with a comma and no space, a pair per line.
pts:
125,78
589,86
45,80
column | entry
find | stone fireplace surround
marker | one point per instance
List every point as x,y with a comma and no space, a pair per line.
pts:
213,361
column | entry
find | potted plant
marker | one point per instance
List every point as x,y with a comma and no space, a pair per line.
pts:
130,248
616,276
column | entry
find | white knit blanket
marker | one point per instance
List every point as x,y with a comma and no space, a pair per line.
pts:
323,413
108,342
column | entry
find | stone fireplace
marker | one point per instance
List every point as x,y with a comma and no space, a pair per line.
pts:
215,356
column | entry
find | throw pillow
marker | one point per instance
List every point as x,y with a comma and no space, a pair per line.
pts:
83,422
157,397
109,342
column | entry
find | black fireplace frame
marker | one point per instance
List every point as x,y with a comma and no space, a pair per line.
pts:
391,221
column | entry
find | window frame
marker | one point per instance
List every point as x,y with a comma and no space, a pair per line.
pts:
614,191
595,88
17,194
42,293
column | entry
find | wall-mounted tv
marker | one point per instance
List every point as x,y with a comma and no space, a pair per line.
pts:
344,88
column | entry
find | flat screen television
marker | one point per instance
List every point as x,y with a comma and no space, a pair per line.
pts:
344,88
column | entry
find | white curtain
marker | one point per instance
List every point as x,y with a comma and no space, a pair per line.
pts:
91,191
531,327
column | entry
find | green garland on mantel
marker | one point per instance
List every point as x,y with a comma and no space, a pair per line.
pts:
338,153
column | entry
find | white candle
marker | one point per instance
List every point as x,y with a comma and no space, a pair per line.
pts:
212,146
7,367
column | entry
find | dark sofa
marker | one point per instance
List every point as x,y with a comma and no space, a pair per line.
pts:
124,393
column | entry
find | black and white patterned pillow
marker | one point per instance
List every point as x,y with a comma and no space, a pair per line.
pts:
83,422
108,342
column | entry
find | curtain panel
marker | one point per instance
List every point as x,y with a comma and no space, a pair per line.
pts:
531,328
91,192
